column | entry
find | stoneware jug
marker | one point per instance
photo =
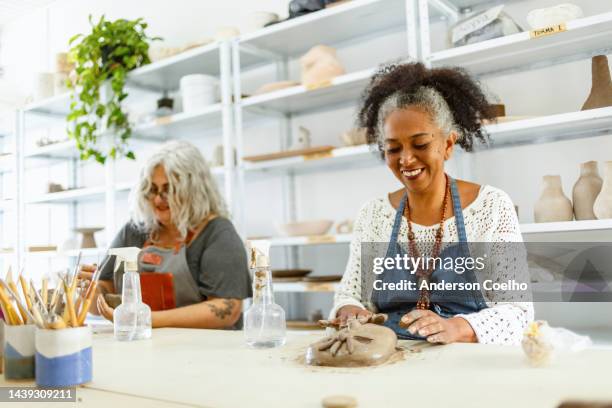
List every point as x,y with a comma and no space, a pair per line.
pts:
585,191
603,203
553,205
601,88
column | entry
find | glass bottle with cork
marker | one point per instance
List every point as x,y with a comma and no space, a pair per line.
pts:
264,321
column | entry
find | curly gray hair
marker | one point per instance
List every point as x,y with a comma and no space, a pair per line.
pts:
426,98
193,193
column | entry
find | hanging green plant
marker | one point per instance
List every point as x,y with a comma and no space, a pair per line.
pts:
107,54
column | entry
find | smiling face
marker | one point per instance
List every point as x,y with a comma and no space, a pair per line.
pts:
416,148
158,196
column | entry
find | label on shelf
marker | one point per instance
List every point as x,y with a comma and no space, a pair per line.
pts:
321,239
318,85
546,31
318,155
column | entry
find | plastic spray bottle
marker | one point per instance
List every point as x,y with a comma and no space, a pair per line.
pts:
264,322
132,319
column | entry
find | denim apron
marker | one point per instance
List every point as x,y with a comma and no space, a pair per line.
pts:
447,304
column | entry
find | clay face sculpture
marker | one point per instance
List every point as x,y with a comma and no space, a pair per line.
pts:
553,205
603,204
320,64
361,343
586,190
601,87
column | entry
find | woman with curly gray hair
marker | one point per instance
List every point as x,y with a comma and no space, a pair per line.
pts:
180,221
416,117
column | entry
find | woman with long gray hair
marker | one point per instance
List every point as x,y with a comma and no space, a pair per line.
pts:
181,223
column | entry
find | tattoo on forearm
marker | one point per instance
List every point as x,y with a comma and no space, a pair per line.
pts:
224,311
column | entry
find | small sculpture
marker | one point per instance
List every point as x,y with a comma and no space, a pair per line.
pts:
303,141
363,342
320,64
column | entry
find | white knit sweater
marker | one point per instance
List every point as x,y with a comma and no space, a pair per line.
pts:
489,218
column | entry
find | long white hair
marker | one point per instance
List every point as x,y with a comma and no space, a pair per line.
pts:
192,192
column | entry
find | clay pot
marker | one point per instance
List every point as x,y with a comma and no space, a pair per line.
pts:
585,191
601,87
603,204
320,64
553,205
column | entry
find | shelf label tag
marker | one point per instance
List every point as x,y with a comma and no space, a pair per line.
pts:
164,120
321,239
318,85
545,31
318,155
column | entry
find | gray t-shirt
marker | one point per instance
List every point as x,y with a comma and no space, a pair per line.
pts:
216,257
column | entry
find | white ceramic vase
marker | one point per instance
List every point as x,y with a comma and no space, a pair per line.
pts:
553,205
603,204
585,191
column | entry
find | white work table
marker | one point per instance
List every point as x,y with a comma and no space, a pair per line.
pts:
211,368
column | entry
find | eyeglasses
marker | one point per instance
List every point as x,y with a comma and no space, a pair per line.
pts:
153,192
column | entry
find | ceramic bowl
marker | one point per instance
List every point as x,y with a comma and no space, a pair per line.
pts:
317,227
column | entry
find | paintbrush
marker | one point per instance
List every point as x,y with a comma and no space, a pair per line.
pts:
72,319
91,291
37,296
18,301
12,317
56,322
45,293
35,310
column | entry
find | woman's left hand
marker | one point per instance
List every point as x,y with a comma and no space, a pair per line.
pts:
437,329
105,310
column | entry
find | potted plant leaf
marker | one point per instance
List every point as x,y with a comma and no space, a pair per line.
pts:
104,56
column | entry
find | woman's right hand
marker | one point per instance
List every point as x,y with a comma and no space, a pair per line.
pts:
86,272
348,312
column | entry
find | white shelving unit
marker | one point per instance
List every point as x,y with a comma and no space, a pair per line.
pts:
339,26
583,38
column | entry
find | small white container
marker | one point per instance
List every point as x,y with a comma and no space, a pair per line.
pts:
45,86
63,357
19,352
198,91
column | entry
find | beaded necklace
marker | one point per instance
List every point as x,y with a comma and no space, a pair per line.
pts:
424,274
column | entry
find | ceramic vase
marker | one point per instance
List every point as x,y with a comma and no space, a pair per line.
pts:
585,191
603,204
553,205
601,87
